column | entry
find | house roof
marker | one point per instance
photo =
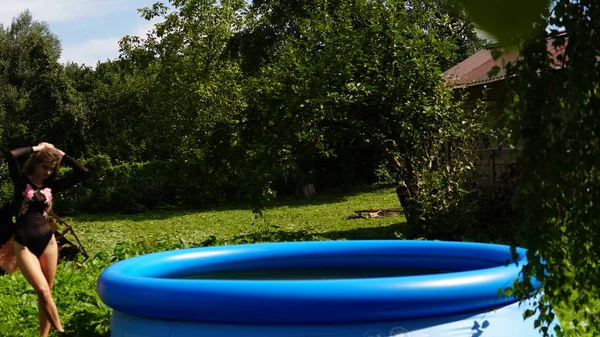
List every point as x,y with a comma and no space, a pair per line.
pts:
474,70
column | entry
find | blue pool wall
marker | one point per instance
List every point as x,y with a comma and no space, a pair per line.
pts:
147,293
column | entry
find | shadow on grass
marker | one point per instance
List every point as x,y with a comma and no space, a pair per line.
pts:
325,197
329,196
138,217
390,232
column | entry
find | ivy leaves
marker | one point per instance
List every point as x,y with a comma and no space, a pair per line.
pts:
553,114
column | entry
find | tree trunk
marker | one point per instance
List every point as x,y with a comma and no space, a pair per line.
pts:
407,188
403,194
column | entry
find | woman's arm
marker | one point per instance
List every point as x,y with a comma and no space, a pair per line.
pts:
79,174
14,168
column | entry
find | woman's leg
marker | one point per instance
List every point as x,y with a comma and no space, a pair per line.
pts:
31,268
48,261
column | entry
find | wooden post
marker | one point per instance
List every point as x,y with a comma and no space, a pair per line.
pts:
306,191
494,171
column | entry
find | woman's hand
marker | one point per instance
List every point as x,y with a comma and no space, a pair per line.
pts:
61,153
43,145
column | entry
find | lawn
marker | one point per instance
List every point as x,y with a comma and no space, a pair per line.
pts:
320,218
112,237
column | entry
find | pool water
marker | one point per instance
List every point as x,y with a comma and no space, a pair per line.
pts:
314,274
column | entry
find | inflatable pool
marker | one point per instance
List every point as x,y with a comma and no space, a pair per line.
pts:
318,289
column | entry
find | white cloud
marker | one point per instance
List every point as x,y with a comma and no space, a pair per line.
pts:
53,11
144,28
94,50
91,51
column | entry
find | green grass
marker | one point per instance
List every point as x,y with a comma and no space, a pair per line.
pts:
324,217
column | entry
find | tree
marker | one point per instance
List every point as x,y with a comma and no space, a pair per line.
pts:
346,72
553,114
194,96
39,101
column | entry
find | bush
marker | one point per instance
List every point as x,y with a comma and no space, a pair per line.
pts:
117,187
458,207
144,185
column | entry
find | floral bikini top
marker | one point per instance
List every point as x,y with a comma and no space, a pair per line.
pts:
38,197
29,200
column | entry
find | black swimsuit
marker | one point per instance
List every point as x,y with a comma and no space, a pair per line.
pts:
31,202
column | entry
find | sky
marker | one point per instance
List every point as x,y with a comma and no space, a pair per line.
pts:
89,30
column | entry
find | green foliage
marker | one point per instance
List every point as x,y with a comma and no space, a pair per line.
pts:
448,203
119,115
6,186
35,96
354,74
196,99
121,186
553,115
195,90
227,100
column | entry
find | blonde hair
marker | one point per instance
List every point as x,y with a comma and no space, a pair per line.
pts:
44,156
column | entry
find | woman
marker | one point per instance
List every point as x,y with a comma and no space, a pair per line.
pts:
35,247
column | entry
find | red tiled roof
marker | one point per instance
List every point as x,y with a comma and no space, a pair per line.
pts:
474,70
